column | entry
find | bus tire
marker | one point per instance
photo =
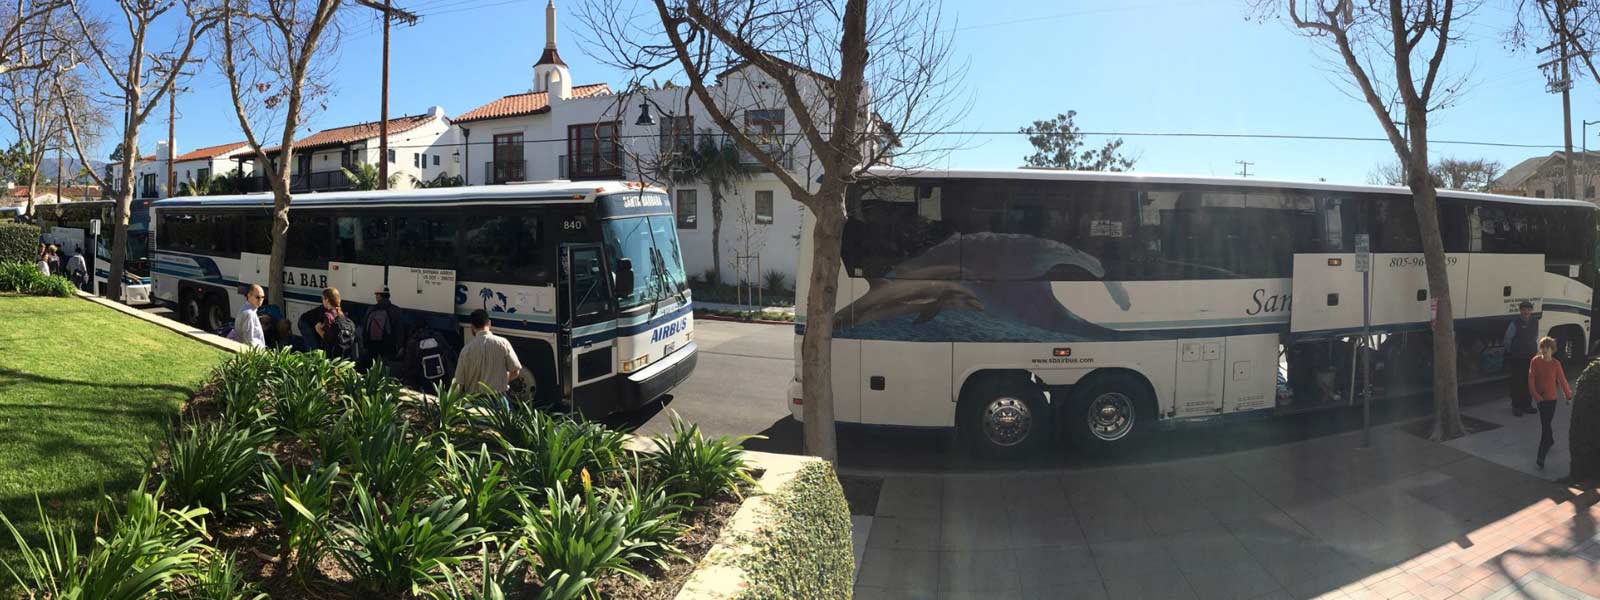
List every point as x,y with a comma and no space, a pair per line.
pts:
190,308
1003,418
213,312
1109,413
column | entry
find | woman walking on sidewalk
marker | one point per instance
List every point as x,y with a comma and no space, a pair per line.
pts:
1545,376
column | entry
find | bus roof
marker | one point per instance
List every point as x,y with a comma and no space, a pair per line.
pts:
1104,176
548,190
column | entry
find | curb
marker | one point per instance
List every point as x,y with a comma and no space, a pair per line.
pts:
711,317
211,339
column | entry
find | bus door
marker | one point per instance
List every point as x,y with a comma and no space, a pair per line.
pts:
583,353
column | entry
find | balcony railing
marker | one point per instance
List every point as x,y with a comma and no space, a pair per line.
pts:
323,181
687,143
505,171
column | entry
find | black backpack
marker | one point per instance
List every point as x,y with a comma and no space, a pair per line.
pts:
427,359
340,339
383,330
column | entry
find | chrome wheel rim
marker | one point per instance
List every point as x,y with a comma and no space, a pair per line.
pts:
1007,421
1111,416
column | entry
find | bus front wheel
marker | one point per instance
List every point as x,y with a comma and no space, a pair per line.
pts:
214,313
190,308
1108,413
1004,419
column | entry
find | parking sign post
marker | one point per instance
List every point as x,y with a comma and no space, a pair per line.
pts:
1364,266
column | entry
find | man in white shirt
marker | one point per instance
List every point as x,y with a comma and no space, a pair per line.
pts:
247,327
486,359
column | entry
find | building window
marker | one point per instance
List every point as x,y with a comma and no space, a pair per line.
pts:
594,151
391,156
202,174
688,209
1588,191
508,164
764,207
765,127
1538,193
677,134
435,160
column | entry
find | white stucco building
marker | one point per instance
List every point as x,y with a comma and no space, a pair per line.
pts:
418,152
559,130
150,171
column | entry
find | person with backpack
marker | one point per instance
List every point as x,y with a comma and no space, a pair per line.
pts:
487,360
78,269
336,331
384,329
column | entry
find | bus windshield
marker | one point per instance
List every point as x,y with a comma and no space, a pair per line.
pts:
651,244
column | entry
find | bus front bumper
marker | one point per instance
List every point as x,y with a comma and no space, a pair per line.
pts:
640,387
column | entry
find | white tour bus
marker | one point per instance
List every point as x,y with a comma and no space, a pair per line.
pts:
1017,305
67,224
585,278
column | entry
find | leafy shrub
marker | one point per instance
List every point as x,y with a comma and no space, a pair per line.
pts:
301,404
25,278
242,381
392,464
806,553
144,548
556,449
477,479
210,464
505,571
19,242
650,514
1583,436
775,280
367,414
690,463
373,384
399,547
448,407
303,504
221,579
577,540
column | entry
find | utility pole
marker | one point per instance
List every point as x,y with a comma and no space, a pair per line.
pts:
1244,168
389,13
172,129
1562,84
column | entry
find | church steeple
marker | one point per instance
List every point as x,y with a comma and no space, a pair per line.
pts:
550,74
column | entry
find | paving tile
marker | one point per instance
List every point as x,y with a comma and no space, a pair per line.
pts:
1083,590
1118,526
991,595
1171,520
1128,559
1046,531
1200,551
978,571
971,495
917,497
974,530
1232,581
905,533
1054,566
905,570
1152,585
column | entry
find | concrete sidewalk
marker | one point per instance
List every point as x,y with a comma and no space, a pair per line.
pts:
1516,443
1321,518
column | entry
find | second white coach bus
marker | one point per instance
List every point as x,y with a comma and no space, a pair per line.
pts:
585,279
1018,305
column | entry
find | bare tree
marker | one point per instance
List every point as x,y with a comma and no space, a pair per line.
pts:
271,52
34,106
1394,49
142,71
1472,175
860,81
27,32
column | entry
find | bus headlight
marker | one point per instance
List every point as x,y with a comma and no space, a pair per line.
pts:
629,366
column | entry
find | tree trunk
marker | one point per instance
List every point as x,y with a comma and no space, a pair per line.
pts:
280,231
1425,202
33,184
816,347
716,234
119,218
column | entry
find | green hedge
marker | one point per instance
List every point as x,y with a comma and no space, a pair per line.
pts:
19,243
1583,439
807,553
25,278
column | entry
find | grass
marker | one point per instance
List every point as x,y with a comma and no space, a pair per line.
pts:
83,390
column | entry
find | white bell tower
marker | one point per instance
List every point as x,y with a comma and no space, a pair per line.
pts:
550,74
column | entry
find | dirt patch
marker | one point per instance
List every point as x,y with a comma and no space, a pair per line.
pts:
704,527
861,493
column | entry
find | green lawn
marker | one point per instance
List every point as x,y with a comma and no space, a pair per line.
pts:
83,389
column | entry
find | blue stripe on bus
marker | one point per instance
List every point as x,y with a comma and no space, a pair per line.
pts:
1203,331
1567,308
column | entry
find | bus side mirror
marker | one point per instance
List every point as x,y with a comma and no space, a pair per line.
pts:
624,277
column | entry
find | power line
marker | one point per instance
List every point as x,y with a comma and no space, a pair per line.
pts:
1244,168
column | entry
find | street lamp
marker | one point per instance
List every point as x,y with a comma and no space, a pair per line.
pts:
645,118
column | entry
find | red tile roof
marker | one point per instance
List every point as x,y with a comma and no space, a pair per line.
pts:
527,103
339,136
210,151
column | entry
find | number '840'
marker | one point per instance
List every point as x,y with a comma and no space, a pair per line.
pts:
571,224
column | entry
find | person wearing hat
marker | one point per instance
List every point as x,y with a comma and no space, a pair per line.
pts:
383,332
1521,344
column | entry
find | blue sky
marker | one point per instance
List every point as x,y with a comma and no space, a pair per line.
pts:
1175,66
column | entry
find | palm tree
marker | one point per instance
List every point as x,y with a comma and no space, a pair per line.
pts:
715,161
363,177
229,182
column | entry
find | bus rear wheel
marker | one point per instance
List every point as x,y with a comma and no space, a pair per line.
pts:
190,308
214,313
1004,419
1108,414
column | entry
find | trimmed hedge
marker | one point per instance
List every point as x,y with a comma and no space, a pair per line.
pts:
19,242
807,554
1583,438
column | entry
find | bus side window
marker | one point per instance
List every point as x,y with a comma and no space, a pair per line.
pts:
506,249
310,239
427,240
